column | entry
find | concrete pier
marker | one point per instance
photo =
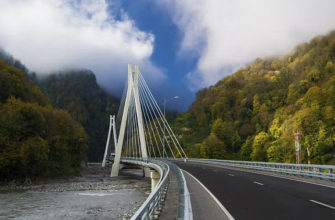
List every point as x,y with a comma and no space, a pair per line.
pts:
154,179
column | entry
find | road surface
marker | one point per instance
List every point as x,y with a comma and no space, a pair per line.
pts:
249,195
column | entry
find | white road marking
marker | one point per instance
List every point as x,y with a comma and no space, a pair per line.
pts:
323,204
230,217
258,183
231,174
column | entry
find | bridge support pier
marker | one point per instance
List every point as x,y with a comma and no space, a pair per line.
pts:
154,179
116,168
146,172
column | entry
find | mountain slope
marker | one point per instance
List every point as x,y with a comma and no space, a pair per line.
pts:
78,92
35,138
253,113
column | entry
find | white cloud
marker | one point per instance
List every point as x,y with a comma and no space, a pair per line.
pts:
227,34
59,34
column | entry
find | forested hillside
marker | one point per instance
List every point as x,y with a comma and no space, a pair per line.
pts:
253,113
9,59
35,138
78,92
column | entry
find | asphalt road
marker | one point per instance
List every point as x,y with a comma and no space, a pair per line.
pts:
249,195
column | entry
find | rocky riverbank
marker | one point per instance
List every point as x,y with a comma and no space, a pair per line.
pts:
91,178
94,183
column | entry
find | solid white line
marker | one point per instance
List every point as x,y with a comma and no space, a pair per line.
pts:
230,217
258,183
231,174
188,214
323,204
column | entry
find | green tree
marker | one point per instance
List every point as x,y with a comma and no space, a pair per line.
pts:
247,149
274,153
314,76
34,156
259,147
214,147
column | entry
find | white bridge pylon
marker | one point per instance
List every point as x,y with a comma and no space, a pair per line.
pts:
143,129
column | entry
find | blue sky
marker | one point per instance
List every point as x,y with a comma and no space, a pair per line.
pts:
151,18
181,46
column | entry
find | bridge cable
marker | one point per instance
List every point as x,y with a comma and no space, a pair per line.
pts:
159,123
154,120
160,112
149,126
164,136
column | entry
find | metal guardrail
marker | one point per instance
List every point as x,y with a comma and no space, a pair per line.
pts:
325,172
150,207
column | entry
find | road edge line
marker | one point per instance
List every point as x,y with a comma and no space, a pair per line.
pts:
188,198
230,217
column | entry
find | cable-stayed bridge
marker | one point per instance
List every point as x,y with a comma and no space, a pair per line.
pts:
143,129
208,188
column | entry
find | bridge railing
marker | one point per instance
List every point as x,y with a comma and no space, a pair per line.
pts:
151,205
149,209
326,172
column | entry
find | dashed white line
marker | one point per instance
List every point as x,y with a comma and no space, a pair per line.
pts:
323,204
230,217
258,183
231,174
270,174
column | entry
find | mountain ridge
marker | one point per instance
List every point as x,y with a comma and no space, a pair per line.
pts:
78,92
